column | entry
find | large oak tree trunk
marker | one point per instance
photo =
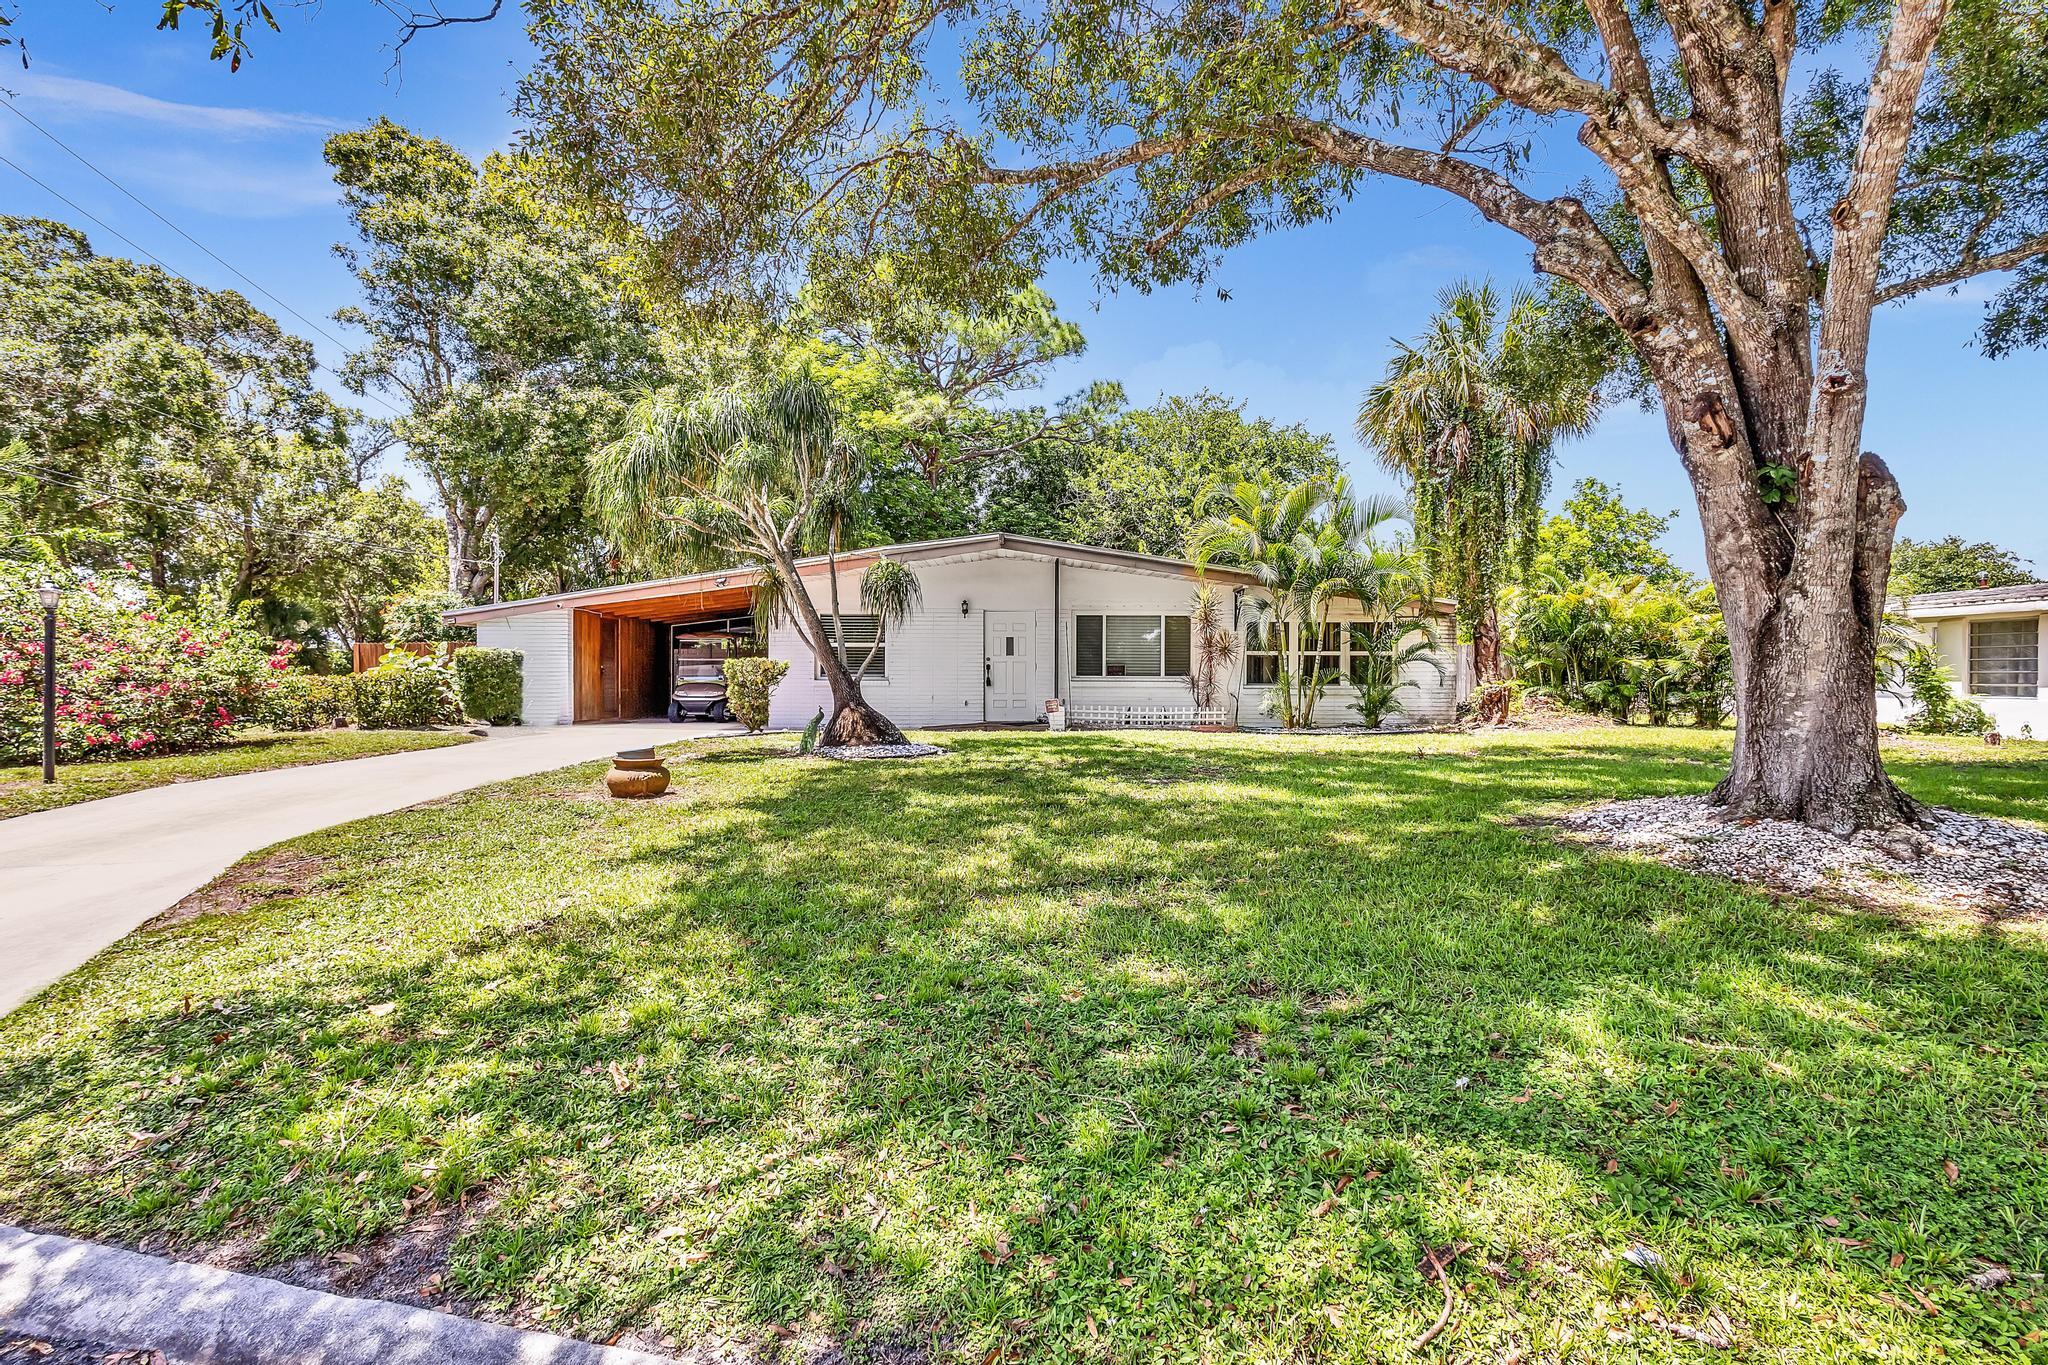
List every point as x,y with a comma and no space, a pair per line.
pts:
1806,721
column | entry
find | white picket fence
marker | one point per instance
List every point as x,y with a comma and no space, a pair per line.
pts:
1113,717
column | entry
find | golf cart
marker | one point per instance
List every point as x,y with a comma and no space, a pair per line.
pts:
697,673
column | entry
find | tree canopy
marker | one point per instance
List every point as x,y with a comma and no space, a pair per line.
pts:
511,343
148,422
1952,563
1599,533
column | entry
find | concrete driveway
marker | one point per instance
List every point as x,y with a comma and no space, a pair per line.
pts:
74,880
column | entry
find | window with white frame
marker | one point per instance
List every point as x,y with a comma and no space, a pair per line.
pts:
1107,646
1342,650
2005,658
860,633
1262,653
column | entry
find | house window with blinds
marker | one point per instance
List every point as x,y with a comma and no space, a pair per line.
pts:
1130,646
2005,658
861,633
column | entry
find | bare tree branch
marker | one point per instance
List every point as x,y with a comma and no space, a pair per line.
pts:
1967,267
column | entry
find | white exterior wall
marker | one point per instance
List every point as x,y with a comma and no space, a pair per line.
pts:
1950,638
546,668
1432,701
936,659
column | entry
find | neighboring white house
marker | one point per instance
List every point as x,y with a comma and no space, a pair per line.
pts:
1991,639
1006,624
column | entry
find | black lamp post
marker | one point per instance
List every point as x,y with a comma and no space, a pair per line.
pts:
48,596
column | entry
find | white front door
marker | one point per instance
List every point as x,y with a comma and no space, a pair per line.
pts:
1006,646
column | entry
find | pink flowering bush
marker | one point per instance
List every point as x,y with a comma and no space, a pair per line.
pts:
135,675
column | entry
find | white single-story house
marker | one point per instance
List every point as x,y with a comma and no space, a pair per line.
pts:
1991,639
1006,624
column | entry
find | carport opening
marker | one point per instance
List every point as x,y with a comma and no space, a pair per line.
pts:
628,655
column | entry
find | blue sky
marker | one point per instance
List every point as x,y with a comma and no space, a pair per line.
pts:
235,160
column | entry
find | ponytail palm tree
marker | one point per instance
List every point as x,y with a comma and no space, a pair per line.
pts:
1468,414
1307,545
755,473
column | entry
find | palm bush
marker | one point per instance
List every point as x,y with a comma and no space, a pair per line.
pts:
1381,653
1308,546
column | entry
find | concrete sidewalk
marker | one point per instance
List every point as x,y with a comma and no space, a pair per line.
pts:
201,1315
76,879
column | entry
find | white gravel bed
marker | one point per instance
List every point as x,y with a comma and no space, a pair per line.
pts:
857,752
1955,860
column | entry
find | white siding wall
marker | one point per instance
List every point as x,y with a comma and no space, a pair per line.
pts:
1432,701
935,659
1951,639
1113,592
542,637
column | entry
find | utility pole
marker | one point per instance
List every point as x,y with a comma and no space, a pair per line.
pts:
497,564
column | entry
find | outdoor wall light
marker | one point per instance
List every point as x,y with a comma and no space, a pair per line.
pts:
963,606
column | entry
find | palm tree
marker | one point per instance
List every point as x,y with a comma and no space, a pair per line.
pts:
756,472
1307,546
1468,414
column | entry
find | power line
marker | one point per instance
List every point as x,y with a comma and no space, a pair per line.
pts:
81,210
150,209
157,214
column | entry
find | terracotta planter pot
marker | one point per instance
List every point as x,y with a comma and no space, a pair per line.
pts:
636,774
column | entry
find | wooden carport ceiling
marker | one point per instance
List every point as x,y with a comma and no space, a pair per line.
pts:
680,606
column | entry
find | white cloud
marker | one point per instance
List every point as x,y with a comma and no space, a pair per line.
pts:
227,189
94,99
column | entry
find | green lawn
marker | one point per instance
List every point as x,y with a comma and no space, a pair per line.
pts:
22,788
1161,1047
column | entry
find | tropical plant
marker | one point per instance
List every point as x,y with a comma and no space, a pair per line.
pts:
1381,652
754,471
1925,681
1612,644
749,683
1468,414
1306,546
404,691
1212,648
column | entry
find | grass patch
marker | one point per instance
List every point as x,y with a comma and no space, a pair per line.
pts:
22,788
1108,1047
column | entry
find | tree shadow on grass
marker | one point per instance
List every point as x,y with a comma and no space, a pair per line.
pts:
1131,1042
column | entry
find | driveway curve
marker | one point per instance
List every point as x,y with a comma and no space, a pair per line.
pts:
76,879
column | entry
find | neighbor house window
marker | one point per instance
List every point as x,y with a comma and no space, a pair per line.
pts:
860,632
2005,658
1130,646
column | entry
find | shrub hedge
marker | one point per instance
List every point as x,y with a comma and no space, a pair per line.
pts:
307,701
487,682
404,691
748,683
